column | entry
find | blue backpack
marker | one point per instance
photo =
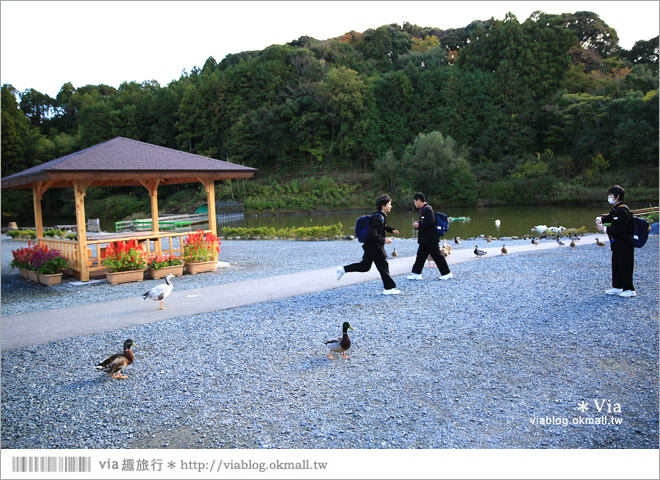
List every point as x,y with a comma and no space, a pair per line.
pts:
441,223
362,227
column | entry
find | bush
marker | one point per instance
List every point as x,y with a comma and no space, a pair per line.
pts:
316,232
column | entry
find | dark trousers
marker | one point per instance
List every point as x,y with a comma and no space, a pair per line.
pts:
381,264
423,252
622,269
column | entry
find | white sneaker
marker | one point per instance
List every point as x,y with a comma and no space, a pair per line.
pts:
392,291
628,293
446,277
614,291
340,272
414,276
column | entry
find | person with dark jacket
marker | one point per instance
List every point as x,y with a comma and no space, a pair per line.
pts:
374,247
618,224
428,241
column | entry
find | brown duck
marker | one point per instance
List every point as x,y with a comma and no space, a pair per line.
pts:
114,364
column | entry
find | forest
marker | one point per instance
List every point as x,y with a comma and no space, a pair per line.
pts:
499,112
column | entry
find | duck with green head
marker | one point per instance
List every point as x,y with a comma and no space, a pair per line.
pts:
342,343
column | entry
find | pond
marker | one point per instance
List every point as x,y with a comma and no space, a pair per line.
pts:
513,220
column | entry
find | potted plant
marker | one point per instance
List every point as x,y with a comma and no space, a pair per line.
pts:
199,252
21,260
160,265
50,264
125,261
37,255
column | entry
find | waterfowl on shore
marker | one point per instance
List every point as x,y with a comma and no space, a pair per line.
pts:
159,292
114,364
559,242
446,245
535,241
599,243
457,240
479,253
489,238
395,253
342,343
572,244
444,252
504,250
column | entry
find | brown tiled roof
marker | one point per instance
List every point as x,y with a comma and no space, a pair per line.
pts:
122,161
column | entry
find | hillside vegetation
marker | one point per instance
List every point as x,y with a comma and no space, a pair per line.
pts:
493,113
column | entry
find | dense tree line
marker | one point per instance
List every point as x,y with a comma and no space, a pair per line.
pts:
498,111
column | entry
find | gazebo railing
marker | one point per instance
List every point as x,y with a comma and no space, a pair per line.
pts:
169,243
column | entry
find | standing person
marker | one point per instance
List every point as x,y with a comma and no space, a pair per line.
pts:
618,224
428,241
374,247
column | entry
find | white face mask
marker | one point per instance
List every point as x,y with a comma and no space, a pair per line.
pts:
611,200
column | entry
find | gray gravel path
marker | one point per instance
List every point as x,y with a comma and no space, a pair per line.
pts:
498,357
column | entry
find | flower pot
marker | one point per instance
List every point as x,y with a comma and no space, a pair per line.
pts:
23,272
33,275
50,280
200,267
176,270
123,277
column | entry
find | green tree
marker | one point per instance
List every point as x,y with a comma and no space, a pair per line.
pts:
15,133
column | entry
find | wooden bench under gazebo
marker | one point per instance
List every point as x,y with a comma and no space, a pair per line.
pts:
121,162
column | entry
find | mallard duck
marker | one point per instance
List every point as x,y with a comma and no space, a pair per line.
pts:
535,241
479,253
342,343
599,243
457,240
489,238
159,292
114,364
559,242
395,253
446,245
505,251
572,244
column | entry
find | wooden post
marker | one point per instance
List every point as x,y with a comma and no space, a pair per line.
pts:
210,199
38,190
79,189
152,186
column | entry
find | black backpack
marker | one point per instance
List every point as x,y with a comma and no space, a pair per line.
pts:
640,230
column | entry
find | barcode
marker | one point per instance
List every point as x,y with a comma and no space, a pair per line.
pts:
51,464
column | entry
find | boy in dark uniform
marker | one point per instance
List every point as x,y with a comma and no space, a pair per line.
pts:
374,247
428,241
618,224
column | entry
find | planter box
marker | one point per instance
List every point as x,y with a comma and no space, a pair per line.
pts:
176,270
23,272
50,280
33,275
123,277
200,267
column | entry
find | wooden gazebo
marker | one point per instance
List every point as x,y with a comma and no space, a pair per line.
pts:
120,162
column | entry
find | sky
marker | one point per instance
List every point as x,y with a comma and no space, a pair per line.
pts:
46,44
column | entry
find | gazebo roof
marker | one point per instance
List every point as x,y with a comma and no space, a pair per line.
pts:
125,162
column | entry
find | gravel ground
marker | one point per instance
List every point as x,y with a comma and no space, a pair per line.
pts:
498,357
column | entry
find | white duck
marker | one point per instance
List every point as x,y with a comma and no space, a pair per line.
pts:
159,292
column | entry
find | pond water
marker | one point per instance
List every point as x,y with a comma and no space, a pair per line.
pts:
513,220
